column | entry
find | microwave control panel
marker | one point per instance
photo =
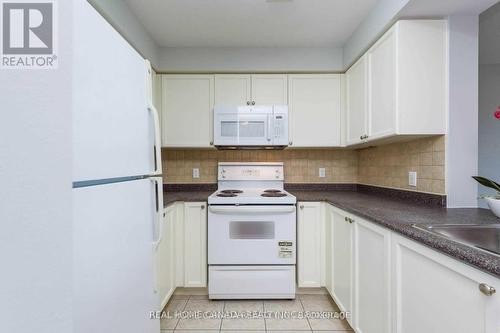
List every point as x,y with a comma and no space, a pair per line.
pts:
280,129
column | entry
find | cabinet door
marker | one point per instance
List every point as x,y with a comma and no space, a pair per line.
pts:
382,86
187,110
329,248
342,261
314,106
308,244
232,90
437,294
356,81
372,269
270,89
195,244
165,257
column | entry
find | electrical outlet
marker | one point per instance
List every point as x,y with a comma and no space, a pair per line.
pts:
322,173
412,178
196,173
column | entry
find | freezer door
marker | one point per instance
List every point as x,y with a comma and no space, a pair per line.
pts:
113,258
113,123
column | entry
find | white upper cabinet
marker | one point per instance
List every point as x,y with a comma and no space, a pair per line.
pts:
270,89
314,102
256,89
399,86
187,102
357,106
232,89
382,86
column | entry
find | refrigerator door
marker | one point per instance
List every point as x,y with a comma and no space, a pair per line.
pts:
113,123
114,233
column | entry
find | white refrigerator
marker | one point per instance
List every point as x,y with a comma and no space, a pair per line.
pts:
117,184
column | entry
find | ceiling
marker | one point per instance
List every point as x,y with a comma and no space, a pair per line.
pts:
440,8
251,23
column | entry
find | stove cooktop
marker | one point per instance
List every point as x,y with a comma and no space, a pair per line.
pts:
251,196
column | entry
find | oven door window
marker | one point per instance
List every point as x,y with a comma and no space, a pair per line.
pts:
251,230
243,129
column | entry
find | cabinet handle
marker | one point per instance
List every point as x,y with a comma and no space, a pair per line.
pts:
487,290
248,103
253,102
211,143
301,206
346,219
361,137
290,143
202,207
351,221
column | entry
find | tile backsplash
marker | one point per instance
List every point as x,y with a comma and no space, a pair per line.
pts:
386,165
301,166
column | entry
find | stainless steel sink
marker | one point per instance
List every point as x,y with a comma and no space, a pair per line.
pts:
482,236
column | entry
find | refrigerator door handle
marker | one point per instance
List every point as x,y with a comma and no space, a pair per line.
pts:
157,138
157,225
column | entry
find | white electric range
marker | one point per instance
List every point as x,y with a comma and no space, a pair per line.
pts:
251,233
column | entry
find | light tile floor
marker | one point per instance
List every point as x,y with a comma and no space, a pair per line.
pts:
192,305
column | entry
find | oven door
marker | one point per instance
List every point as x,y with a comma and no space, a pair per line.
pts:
251,235
243,129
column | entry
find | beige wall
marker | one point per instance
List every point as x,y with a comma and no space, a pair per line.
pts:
387,165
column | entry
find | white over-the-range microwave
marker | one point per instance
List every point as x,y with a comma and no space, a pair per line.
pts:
251,127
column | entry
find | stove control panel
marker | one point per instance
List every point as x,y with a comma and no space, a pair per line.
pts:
250,171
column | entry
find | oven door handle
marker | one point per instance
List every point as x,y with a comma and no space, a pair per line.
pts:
252,209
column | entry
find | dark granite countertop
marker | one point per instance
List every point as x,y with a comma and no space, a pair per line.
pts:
170,197
400,215
396,215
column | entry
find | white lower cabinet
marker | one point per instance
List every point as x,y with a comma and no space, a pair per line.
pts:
165,260
308,244
392,284
195,244
342,260
329,215
436,294
372,270
181,253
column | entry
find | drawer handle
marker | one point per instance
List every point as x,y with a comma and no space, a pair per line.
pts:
202,207
301,206
486,289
